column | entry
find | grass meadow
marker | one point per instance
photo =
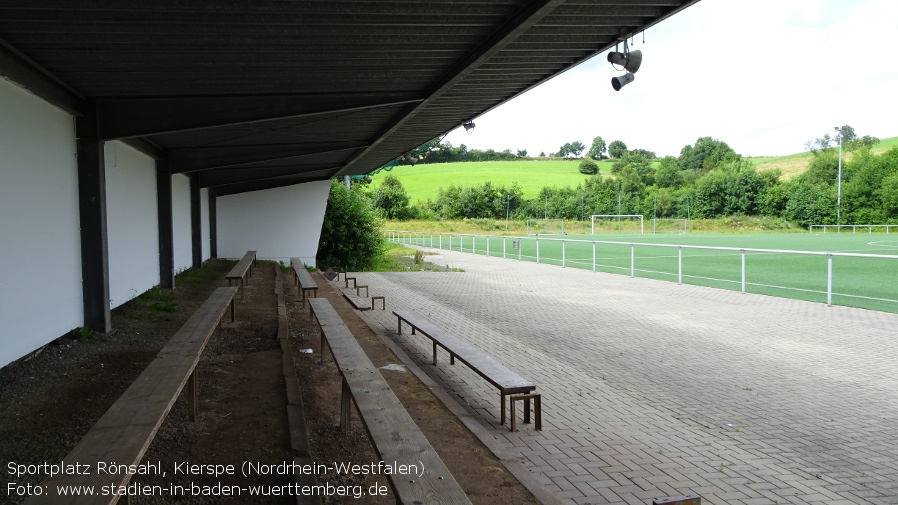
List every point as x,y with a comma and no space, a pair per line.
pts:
423,181
870,283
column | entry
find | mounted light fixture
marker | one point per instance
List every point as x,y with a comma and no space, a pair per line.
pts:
469,126
630,61
411,158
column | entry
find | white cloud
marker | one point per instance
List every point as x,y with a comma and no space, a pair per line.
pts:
763,76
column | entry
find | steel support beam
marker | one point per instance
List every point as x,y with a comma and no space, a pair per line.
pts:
213,226
92,213
196,223
165,224
137,117
208,158
31,76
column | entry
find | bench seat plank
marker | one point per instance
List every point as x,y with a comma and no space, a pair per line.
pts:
304,278
394,434
243,266
497,374
124,432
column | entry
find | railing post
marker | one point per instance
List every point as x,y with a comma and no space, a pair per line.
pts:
632,260
562,254
679,264
537,251
503,246
829,279
593,255
743,271
487,245
520,248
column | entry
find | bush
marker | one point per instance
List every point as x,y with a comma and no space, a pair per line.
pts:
588,167
350,234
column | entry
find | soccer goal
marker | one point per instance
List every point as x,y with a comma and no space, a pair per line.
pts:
618,223
670,225
545,227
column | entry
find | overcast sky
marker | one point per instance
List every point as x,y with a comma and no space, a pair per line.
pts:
764,76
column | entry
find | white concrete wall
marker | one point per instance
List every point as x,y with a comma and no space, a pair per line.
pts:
131,222
39,226
180,202
277,223
204,223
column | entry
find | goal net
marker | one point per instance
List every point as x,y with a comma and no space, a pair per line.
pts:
670,225
617,223
545,227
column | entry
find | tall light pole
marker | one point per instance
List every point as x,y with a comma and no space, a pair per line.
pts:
839,186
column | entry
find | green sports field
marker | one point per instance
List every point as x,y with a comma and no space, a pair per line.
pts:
865,282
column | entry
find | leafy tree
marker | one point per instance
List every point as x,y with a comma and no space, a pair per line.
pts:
522,153
542,154
391,200
888,194
350,233
597,150
668,173
564,150
706,154
577,148
645,153
588,167
617,149
848,137
731,189
811,204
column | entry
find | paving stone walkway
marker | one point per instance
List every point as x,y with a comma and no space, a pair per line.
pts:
653,389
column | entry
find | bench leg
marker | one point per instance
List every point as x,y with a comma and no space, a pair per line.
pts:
192,395
537,409
233,310
434,353
451,359
345,408
502,410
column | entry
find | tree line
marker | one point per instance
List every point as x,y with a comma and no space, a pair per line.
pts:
707,180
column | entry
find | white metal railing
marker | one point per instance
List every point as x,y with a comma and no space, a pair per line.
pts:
854,227
427,238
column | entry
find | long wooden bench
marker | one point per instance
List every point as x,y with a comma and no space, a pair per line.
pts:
507,381
246,264
304,280
123,434
395,436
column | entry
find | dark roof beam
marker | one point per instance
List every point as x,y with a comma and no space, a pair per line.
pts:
31,76
206,158
138,117
216,178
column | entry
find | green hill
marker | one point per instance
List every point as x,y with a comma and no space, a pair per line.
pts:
423,181
794,164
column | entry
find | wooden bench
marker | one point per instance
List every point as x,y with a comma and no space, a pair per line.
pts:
304,280
507,381
123,434
246,264
395,436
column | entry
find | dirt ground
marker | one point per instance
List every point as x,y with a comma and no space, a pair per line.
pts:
49,400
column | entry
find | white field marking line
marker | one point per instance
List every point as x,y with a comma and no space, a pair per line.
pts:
881,243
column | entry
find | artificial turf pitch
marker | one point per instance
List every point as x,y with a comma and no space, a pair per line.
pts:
870,283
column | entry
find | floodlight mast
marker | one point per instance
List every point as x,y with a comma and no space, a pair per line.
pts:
839,185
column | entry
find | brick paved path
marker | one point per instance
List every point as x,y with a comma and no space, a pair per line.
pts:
652,389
